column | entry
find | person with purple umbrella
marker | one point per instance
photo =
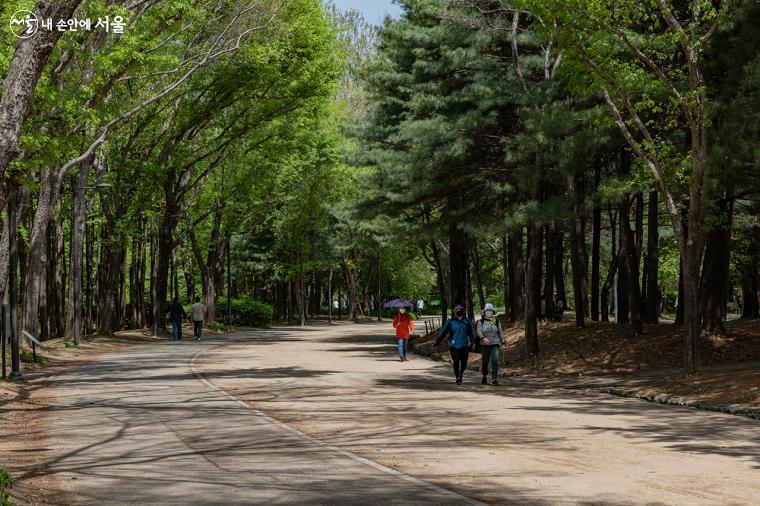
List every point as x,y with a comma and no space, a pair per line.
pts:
404,326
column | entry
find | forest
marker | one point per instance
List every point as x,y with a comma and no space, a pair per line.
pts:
277,156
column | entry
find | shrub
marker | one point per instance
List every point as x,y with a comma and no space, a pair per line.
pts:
245,311
220,326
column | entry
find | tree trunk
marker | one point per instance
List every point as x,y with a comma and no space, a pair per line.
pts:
596,235
692,320
714,284
622,314
470,297
42,312
175,276
578,251
608,283
349,272
458,263
109,270
76,256
122,313
160,284
505,276
516,276
367,291
559,267
680,304
441,278
651,312
550,263
329,296
4,260
751,305
48,198
532,289
300,287
478,275
628,244
58,323
612,271
89,234
137,279
189,272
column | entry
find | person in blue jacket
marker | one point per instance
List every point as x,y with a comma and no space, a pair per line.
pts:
459,331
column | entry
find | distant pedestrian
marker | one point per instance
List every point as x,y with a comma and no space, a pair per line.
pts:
404,326
198,312
559,308
491,338
459,331
420,307
176,315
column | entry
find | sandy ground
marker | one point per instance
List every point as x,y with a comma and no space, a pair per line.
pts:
606,355
327,415
25,424
516,443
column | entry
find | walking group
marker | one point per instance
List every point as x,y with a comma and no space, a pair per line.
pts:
485,335
177,315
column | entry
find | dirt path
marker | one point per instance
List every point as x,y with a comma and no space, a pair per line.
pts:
508,444
328,415
138,426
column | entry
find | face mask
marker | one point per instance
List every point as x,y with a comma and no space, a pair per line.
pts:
489,313
458,314
402,310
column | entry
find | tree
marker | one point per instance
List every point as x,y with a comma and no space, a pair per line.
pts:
645,59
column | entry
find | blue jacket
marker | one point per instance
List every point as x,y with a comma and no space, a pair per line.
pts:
459,332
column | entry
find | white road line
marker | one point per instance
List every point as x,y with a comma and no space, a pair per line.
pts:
327,446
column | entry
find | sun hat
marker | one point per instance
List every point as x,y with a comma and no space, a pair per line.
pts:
487,307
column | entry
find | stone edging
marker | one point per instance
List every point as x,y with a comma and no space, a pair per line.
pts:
673,400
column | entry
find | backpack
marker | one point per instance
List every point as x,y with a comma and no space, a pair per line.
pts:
477,346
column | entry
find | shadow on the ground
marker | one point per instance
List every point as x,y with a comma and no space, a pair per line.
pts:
176,411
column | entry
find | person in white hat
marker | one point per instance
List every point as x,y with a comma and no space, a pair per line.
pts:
491,338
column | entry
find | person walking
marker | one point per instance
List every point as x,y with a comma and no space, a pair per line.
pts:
559,308
491,338
420,307
198,312
177,314
404,326
459,331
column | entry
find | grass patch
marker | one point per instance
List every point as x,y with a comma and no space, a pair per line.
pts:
28,357
71,345
6,481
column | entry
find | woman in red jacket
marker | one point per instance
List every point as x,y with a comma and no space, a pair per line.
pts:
404,325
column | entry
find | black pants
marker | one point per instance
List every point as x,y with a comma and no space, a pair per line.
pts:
459,358
197,328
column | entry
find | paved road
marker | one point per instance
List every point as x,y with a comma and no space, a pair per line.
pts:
326,415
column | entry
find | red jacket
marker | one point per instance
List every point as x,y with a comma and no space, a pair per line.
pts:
403,325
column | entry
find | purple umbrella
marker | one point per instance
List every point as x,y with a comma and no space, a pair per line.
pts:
395,303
